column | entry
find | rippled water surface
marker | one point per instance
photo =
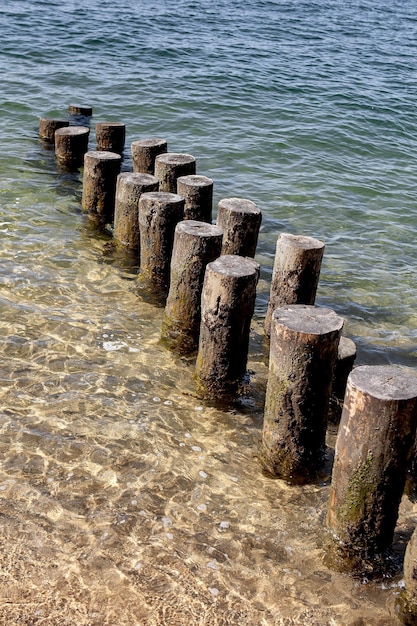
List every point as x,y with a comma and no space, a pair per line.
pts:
124,499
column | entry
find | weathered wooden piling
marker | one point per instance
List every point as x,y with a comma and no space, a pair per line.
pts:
304,341
80,109
376,434
144,153
110,137
240,220
227,305
197,192
408,596
129,188
99,185
170,166
296,272
196,244
159,213
71,144
48,126
346,355
80,114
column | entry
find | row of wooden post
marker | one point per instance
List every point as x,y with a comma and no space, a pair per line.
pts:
207,276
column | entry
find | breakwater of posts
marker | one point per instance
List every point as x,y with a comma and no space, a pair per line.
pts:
306,357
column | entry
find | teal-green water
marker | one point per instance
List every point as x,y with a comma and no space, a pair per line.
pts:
124,499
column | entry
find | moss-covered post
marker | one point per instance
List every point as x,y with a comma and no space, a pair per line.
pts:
144,153
376,433
110,137
195,245
197,192
159,213
48,126
240,220
99,185
346,355
304,341
227,305
296,272
129,188
71,144
408,596
170,166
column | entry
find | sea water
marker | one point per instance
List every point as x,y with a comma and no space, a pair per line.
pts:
124,499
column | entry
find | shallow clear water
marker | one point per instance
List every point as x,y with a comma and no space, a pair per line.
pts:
124,498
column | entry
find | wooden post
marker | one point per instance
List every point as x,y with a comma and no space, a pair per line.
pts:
129,188
304,341
296,273
110,136
376,433
408,596
159,213
197,192
144,153
48,126
170,166
240,220
195,245
227,305
71,144
346,355
80,114
99,185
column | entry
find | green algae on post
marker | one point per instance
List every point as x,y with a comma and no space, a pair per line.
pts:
374,442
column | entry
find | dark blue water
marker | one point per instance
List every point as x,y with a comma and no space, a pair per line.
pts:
309,110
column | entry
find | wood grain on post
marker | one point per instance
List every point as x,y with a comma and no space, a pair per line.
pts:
110,136
304,341
227,305
346,355
159,213
144,153
129,188
170,166
99,185
71,144
195,245
48,126
296,273
197,192
376,434
408,595
240,220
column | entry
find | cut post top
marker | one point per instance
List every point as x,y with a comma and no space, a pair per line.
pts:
110,125
198,229
385,382
300,241
162,197
149,142
239,205
346,349
175,158
72,130
102,155
308,319
234,265
138,178
195,180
